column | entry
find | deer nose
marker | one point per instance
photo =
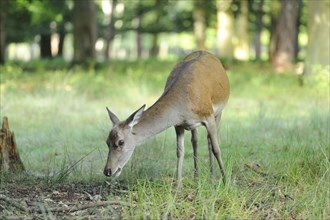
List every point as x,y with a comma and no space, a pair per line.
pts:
107,172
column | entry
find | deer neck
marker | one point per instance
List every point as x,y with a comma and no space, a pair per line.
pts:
154,120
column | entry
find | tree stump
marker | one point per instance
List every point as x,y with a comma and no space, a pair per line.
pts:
9,156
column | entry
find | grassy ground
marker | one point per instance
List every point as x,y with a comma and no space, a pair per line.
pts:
274,141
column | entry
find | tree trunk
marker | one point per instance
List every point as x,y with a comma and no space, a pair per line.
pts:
61,34
45,46
109,32
154,49
138,44
9,148
296,39
259,27
199,24
225,28
275,10
318,25
286,30
2,32
85,31
242,48
107,50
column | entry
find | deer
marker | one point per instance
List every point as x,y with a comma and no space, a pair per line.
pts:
195,94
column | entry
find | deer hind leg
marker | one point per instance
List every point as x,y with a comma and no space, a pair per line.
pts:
194,142
209,144
180,150
211,127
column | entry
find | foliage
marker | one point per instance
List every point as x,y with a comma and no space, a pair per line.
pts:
274,143
37,16
22,20
155,16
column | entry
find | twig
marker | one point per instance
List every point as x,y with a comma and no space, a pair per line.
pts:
122,191
17,217
62,209
13,203
82,207
255,168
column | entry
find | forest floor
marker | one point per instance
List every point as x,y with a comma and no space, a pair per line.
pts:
274,141
26,197
32,198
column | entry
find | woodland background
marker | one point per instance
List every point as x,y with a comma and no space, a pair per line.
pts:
281,32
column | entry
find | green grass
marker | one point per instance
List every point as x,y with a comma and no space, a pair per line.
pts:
274,140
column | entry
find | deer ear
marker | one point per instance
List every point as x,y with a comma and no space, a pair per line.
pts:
114,119
135,117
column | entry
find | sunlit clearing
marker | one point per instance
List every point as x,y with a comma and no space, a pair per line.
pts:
223,26
54,42
99,44
107,6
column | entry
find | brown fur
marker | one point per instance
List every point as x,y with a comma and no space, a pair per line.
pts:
201,81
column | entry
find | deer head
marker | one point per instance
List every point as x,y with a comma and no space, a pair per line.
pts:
121,142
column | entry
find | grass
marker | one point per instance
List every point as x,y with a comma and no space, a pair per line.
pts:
274,140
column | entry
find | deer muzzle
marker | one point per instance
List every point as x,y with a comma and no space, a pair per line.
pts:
108,172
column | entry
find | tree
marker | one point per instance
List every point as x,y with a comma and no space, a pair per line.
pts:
17,18
140,12
31,18
154,17
299,23
286,30
154,48
163,17
274,15
47,18
259,27
318,26
109,28
84,31
199,24
242,47
225,28
2,32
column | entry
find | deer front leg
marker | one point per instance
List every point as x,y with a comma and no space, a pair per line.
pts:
194,142
180,150
212,132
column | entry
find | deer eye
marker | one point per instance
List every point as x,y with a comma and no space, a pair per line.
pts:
121,143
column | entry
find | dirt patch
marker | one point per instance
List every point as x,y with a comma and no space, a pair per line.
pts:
24,198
